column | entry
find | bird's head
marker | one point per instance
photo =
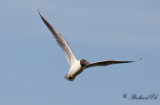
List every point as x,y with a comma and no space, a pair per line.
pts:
83,62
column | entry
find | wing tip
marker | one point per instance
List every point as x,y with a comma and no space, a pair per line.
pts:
139,59
39,12
136,60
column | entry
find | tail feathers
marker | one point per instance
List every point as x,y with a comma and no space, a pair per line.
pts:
71,79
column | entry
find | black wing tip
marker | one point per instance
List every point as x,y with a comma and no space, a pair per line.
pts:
42,17
39,12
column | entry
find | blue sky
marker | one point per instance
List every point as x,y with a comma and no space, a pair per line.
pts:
32,66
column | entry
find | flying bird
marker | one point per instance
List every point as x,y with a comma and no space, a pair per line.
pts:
76,66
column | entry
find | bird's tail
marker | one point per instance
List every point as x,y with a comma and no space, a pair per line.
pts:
66,77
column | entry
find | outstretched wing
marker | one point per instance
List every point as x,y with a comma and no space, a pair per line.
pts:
61,41
106,63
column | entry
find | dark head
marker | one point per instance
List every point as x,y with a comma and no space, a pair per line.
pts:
83,62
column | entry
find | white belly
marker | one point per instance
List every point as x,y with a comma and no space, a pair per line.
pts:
75,69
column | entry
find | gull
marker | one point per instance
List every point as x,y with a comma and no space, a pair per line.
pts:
76,66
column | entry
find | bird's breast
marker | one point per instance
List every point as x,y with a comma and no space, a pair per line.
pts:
75,69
